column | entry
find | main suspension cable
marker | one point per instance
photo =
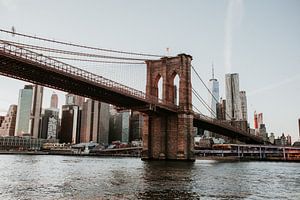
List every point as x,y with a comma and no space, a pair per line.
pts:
78,45
67,52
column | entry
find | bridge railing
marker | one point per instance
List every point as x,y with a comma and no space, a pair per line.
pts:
35,58
226,124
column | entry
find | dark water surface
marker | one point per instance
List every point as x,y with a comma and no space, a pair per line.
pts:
63,177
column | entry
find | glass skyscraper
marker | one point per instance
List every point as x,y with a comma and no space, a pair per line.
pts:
213,99
29,110
233,102
23,112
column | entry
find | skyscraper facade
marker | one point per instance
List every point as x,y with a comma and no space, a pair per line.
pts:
94,122
259,119
7,127
119,126
36,110
29,110
70,124
232,91
54,101
255,121
49,124
221,110
243,100
72,99
214,97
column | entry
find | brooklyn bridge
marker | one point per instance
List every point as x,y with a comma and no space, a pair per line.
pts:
169,119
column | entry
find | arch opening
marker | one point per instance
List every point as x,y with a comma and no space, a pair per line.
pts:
159,87
175,88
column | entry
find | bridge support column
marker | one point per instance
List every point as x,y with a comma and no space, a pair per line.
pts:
168,137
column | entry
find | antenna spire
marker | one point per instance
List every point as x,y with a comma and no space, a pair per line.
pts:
213,71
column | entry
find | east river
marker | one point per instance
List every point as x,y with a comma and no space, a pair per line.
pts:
66,177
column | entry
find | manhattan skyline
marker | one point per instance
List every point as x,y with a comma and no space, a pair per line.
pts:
258,40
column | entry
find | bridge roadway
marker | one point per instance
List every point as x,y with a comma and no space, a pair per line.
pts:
20,63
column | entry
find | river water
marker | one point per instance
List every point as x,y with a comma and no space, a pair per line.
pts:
66,177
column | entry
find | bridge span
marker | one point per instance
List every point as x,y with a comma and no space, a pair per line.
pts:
167,132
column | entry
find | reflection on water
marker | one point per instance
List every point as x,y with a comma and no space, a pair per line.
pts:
61,177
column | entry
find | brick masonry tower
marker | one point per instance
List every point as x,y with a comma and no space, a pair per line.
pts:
169,135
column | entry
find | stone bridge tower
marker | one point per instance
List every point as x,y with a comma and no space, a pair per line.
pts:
169,135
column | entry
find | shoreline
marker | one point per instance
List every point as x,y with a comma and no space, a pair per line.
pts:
216,158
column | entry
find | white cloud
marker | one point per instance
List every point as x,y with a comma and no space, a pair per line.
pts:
233,19
274,85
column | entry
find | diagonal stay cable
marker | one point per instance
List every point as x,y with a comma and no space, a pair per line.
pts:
208,88
204,103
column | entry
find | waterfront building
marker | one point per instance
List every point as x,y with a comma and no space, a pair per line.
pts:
70,124
263,132
272,138
18,143
252,131
283,140
94,122
8,125
119,126
29,110
54,101
72,99
232,91
244,111
49,124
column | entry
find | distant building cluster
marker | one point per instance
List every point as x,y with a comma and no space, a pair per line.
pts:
81,120
233,110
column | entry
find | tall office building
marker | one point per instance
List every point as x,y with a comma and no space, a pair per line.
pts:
232,91
29,110
214,97
49,124
243,100
72,99
70,124
255,121
119,126
7,127
221,110
54,101
94,122
260,119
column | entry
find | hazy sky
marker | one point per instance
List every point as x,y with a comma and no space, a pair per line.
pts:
260,40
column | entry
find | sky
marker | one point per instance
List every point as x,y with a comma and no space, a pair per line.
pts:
260,40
